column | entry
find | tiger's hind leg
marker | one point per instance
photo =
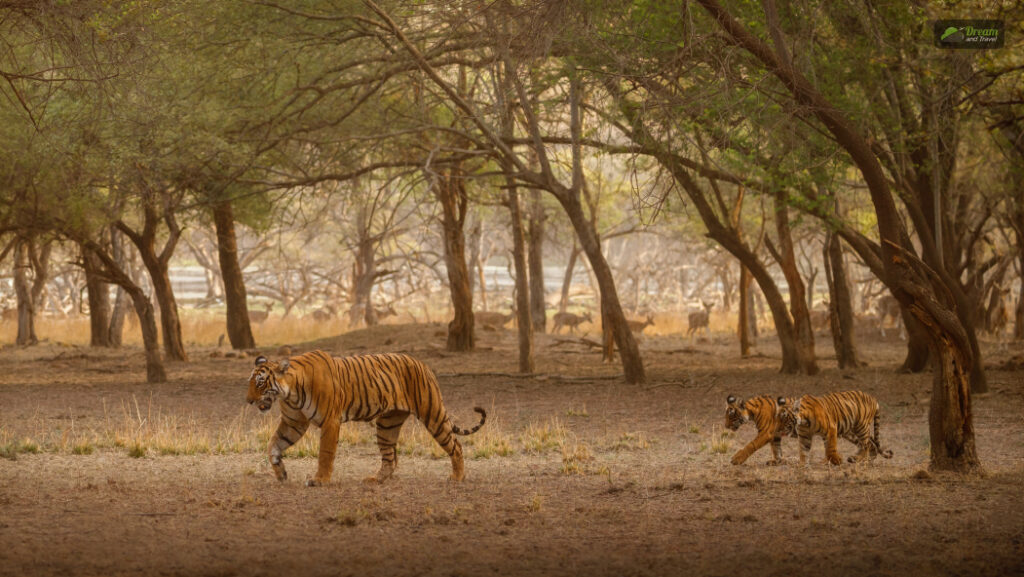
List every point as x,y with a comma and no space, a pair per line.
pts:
388,428
442,433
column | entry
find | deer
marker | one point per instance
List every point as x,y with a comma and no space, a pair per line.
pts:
493,320
323,315
699,319
886,307
569,320
260,316
637,327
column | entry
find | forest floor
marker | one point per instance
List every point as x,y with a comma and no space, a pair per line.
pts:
575,472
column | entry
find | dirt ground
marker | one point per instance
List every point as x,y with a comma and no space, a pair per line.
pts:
575,473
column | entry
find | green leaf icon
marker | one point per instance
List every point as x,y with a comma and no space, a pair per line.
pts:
949,31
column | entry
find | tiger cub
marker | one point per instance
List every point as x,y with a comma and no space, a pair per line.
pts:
852,415
765,412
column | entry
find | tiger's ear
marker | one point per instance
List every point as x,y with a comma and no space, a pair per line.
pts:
261,360
781,401
731,399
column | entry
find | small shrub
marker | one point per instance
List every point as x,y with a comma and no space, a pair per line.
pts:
82,449
137,451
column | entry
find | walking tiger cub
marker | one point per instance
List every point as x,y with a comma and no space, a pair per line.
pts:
852,415
326,391
766,414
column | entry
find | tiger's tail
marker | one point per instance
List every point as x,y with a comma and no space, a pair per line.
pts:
876,441
483,419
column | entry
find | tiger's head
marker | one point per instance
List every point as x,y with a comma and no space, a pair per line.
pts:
735,413
264,387
789,417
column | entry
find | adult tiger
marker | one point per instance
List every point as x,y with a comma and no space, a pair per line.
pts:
852,415
324,390
764,411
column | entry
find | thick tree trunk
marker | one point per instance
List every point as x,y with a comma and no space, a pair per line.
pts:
99,302
450,191
23,292
536,261
523,312
786,256
840,304
237,315
147,322
950,419
170,323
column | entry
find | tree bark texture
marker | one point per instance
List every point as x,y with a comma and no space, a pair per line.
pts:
157,264
840,304
743,323
237,314
451,192
23,292
99,302
786,255
523,312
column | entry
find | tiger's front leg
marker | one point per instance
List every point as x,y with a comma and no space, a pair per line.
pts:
806,438
289,431
776,451
328,446
744,453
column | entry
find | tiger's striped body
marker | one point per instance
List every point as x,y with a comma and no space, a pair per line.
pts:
852,415
326,391
765,412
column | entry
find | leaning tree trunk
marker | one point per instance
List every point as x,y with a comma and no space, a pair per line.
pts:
797,292
611,309
840,304
450,190
23,291
239,329
536,261
174,347
155,372
99,301
523,312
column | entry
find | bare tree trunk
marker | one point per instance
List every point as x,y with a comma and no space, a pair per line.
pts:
155,372
743,327
523,312
115,331
237,314
840,304
23,291
797,292
450,190
918,344
157,264
99,301
536,261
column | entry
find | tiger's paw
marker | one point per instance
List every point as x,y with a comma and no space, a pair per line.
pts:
373,480
774,462
737,460
315,483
